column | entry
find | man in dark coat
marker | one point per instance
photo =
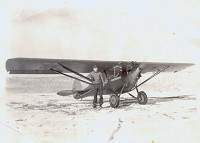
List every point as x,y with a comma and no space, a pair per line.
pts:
97,79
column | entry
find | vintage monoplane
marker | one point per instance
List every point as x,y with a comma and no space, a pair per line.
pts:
119,76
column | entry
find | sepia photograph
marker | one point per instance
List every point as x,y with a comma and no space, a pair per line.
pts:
103,71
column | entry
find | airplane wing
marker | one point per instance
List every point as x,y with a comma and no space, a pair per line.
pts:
43,66
172,67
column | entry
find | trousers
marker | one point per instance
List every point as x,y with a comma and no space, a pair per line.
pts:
98,89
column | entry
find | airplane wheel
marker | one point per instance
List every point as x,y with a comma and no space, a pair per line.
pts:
142,98
114,101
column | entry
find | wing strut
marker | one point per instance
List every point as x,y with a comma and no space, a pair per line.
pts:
75,72
155,74
71,76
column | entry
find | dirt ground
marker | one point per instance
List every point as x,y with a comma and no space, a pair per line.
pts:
49,118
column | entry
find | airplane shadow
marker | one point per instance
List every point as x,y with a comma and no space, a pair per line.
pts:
156,100
151,100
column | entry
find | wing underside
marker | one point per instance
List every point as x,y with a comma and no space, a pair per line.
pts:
43,66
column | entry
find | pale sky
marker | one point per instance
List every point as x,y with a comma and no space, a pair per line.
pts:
142,30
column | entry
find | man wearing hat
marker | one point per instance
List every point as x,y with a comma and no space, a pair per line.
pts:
97,79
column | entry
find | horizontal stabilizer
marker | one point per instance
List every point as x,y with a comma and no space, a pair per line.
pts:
66,92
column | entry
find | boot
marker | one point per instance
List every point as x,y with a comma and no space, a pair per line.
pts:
100,102
94,105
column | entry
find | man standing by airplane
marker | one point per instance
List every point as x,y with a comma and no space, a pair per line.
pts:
97,79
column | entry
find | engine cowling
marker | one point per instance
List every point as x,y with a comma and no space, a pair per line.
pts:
131,76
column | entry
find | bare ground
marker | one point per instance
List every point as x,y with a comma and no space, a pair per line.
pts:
49,118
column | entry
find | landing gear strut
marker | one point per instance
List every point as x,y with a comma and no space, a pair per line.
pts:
114,98
141,96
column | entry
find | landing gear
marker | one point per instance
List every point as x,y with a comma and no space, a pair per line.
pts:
142,98
114,100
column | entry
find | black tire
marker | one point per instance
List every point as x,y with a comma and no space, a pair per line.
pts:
142,98
114,101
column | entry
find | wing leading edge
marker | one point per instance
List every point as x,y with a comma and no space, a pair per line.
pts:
43,66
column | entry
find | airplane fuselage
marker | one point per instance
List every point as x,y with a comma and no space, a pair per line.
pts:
128,79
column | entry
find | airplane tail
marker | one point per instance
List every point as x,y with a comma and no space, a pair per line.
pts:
77,91
77,85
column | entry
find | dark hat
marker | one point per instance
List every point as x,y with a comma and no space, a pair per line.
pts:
95,66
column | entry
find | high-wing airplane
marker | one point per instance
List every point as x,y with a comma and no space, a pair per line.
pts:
119,76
